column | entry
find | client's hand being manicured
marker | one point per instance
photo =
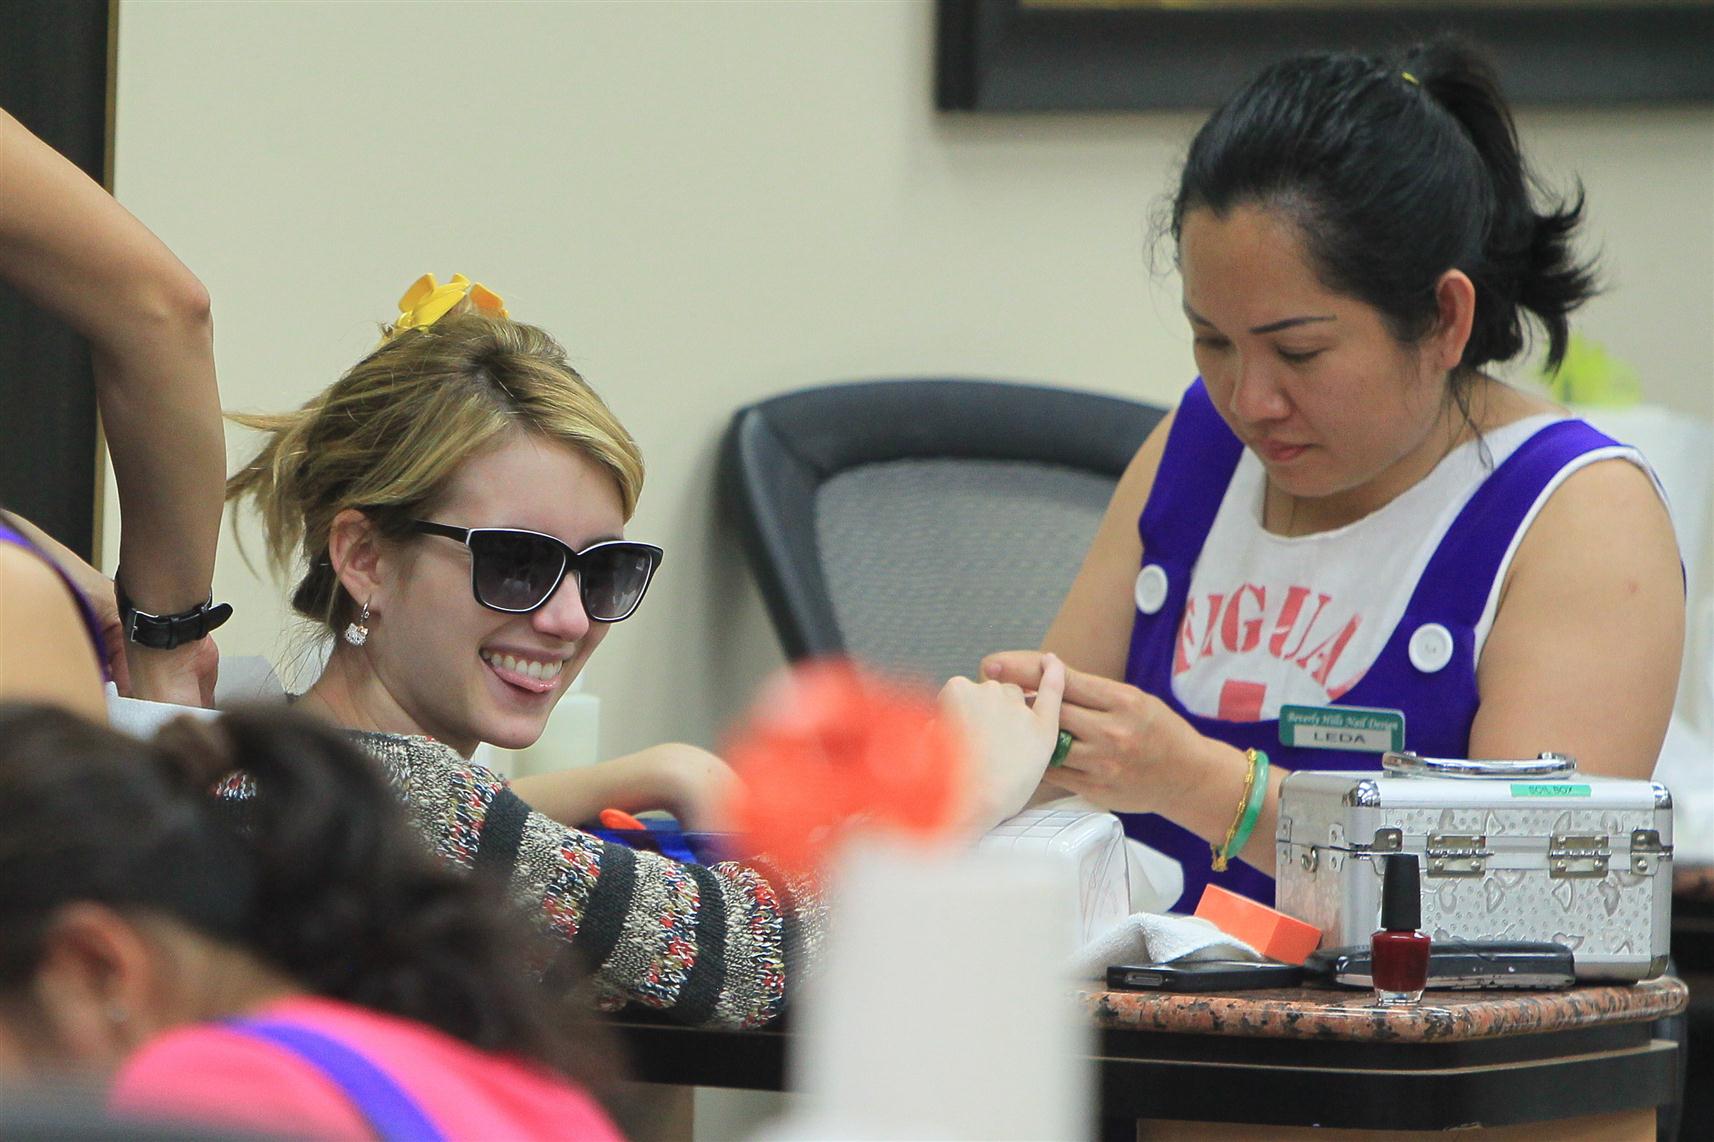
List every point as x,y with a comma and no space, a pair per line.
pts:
1010,740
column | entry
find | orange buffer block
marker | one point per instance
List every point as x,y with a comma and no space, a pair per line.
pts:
1270,932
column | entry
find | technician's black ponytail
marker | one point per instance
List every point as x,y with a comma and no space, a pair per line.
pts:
1527,262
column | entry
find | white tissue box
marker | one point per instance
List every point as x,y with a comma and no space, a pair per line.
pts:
1090,850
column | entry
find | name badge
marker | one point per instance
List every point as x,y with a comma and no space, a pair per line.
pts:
1342,727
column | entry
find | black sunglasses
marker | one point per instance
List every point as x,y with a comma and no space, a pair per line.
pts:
518,571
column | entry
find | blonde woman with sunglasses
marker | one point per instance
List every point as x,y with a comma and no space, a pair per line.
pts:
456,504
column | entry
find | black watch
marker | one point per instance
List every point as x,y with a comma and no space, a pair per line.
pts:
163,632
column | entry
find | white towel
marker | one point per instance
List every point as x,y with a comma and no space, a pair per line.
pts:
1158,938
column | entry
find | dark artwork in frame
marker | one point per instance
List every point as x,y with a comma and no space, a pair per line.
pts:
1133,55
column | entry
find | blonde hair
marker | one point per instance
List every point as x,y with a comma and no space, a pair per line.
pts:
388,436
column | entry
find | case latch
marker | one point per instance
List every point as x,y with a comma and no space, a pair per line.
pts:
1571,857
1647,851
1457,854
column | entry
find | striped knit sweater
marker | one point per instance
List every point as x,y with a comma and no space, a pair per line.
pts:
719,946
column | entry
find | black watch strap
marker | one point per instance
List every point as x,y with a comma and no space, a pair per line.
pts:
164,632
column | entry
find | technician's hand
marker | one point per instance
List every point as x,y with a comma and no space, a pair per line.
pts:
1010,741
1130,746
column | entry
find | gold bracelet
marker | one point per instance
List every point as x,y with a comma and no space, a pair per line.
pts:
1223,851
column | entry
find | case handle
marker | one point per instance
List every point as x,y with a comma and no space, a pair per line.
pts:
1543,765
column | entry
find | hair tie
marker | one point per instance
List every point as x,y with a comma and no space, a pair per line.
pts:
1407,76
427,301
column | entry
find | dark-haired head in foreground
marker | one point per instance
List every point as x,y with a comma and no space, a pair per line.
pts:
132,900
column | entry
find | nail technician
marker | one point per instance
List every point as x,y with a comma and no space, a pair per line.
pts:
1350,536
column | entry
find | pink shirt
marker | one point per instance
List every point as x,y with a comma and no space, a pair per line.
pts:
213,1075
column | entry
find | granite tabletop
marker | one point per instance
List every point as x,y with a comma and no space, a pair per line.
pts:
1347,1013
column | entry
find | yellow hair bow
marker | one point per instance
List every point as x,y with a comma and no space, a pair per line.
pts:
427,301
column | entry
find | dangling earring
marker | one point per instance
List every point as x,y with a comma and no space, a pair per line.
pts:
357,632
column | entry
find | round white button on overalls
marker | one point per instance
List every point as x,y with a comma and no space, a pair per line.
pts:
1151,588
1430,648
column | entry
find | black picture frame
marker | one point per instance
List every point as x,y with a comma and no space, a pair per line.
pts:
1097,55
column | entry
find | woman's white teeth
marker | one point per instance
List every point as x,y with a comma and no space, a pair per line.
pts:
529,668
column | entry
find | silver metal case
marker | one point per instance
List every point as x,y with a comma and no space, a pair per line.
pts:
1509,850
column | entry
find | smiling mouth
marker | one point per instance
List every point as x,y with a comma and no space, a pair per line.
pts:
535,675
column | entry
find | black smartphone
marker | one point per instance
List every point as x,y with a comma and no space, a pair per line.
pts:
1460,964
1203,975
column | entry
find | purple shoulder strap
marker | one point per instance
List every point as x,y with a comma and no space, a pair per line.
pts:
1201,453
393,1114
1458,577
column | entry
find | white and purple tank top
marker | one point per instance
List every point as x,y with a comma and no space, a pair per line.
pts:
1421,661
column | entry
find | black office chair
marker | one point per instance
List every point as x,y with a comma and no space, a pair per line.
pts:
921,524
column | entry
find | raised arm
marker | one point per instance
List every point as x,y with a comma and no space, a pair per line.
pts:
66,244
1584,654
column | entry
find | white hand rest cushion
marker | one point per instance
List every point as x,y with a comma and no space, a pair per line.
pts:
1090,848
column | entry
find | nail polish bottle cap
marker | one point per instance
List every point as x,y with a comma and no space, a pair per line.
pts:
1401,893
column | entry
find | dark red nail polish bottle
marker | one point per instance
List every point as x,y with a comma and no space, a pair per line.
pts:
1398,952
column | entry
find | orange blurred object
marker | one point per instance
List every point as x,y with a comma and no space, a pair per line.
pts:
831,749
618,819
1269,931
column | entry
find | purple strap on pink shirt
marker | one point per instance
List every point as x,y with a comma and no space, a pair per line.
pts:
391,1113
1201,455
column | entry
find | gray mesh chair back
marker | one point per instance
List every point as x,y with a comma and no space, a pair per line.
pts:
919,525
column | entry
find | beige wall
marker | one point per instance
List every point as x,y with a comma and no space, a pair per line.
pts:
710,203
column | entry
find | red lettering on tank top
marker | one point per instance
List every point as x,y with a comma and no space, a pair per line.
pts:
1214,604
1287,622
1241,701
1186,638
1234,621
1329,650
1232,624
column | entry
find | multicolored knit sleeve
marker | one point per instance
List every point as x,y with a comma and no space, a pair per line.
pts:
722,945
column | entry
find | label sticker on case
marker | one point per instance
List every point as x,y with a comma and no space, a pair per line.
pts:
1550,789
1342,727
